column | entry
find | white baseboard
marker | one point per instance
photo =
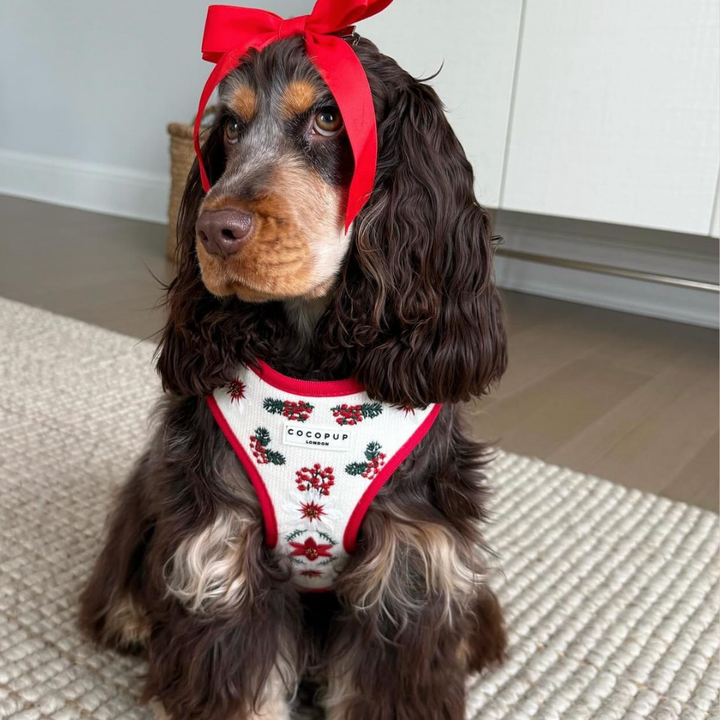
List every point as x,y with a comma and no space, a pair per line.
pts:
107,189
672,254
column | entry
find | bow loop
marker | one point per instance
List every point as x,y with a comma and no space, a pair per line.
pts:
292,26
330,16
231,31
227,26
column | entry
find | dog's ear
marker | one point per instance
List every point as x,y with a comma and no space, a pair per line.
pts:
198,346
416,305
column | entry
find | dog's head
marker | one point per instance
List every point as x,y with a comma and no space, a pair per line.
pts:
410,304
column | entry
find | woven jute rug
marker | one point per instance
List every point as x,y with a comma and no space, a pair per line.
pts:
611,595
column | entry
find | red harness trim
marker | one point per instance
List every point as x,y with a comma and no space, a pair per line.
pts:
314,388
268,511
356,518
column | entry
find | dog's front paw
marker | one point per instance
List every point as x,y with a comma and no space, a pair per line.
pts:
122,624
487,645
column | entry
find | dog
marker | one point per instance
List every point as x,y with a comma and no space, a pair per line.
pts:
404,303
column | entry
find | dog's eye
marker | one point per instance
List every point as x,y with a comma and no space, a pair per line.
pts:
328,122
232,130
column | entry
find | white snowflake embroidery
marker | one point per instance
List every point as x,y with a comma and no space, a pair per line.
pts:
311,510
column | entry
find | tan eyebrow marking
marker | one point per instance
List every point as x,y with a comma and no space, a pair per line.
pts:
244,103
297,98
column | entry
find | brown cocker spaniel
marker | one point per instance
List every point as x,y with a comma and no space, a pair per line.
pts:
405,303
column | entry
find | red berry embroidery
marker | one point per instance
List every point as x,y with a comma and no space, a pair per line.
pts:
315,478
347,414
258,446
299,410
353,414
310,549
369,469
236,390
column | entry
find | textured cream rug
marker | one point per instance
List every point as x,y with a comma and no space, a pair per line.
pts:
611,594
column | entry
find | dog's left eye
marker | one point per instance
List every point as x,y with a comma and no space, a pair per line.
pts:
328,122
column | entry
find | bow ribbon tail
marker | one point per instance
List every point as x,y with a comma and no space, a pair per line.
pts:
221,69
224,64
345,77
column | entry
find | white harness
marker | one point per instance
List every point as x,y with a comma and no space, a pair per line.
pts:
316,453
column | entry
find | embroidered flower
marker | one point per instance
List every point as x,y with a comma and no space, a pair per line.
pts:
236,390
315,478
312,511
310,549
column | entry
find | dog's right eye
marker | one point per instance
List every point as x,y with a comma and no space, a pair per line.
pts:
328,122
232,130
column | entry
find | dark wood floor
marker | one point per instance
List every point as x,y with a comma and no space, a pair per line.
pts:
631,399
92,267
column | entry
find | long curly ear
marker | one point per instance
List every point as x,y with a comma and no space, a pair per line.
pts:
199,344
416,306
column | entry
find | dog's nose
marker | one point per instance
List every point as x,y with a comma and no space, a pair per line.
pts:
223,232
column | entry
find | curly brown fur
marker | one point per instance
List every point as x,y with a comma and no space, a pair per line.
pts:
412,312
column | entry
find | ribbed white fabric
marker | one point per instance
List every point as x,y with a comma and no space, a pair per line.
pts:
610,594
317,453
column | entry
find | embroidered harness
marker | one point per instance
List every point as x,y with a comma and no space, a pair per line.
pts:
316,453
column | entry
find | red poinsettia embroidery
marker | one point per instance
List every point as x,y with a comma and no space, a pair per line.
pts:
311,573
310,549
299,410
375,461
259,446
315,478
353,414
311,511
236,390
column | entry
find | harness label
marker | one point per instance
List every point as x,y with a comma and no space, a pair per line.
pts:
328,438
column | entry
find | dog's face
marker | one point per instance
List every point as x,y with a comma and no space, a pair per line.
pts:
272,226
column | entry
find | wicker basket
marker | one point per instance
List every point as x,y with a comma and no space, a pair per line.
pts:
182,156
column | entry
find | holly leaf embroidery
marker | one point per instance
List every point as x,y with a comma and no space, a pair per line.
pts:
356,468
371,410
273,406
263,436
275,457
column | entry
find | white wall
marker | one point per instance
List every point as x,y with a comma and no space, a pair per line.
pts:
475,43
97,81
87,88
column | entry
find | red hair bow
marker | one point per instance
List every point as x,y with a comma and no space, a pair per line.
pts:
231,31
